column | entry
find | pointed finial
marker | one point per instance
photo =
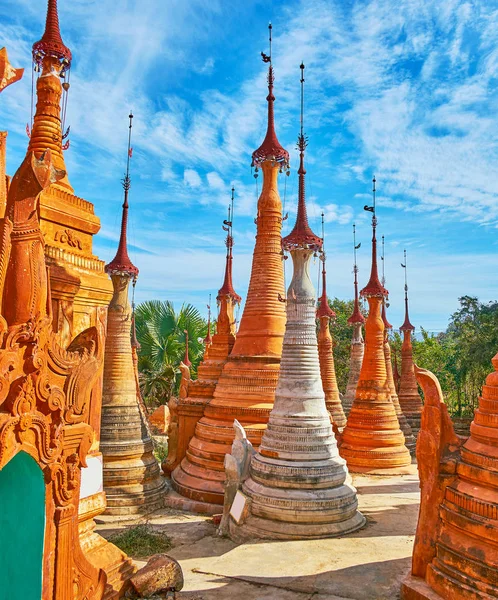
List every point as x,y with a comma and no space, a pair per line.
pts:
186,360
121,263
302,236
407,326
227,288
270,149
385,305
324,309
374,286
208,340
356,317
51,43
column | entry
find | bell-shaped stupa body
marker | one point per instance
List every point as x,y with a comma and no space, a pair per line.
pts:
187,457
297,485
409,397
357,351
246,387
456,545
132,478
372,440
326,354
410,441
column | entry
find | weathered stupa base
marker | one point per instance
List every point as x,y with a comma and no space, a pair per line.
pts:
415,588
174,500
201,474
407,470
414,422
132,478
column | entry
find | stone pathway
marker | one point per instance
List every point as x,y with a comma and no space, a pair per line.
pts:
367,565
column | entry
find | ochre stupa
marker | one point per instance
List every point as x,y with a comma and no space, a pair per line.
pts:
200,391
297,486
409,397
246,388
324,315
455,554
357,351
410,441
132,479
372,440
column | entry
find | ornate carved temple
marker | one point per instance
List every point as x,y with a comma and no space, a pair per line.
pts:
45,411
200,391
297,485
357,351
409,397
246,388
132,479
372,440
455,552
324,315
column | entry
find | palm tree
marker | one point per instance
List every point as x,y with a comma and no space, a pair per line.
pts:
161,335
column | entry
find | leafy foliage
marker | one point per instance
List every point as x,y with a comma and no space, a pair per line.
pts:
161,335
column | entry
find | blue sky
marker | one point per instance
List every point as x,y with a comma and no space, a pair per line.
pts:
405,89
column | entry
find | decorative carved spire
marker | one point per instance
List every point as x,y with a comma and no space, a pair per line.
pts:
121,263
301,235
186,360
208,340
227,288
387,325
51,43
324,309
374,286
356,317
270,149
407,326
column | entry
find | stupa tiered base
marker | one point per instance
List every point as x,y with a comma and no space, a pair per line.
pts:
132,478
408,394
299,499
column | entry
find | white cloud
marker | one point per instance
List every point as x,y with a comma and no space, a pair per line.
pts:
191,178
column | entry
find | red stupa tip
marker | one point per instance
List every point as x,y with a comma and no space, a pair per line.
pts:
407,326
324,309
271,149
51,43
356,317
121,263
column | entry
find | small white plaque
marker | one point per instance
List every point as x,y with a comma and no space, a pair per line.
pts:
238,507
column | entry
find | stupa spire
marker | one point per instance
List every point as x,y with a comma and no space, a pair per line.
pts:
121,262
356,317
374,286
387,325
324,309
132,479
357,343
186,359
326,349
227,288
409,397
410,441
407,326
200,391
270,149
208,340
246,388
372,440
302,234
298,453
53,59
51,41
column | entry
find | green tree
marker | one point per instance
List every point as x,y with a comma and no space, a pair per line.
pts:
161,335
